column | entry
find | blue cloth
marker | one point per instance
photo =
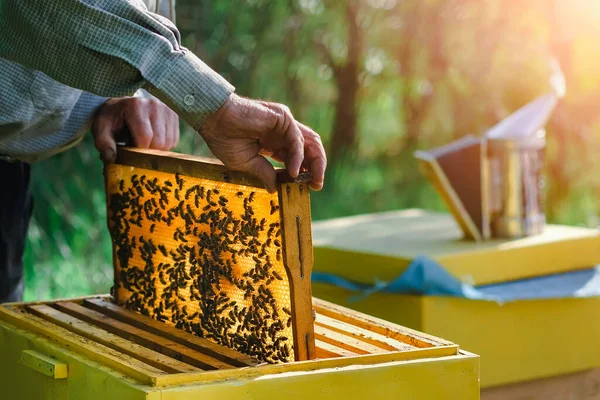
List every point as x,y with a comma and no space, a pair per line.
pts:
425,276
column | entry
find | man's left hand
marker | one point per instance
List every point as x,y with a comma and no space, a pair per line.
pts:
152,124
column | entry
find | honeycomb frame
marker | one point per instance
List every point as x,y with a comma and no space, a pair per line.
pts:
292,249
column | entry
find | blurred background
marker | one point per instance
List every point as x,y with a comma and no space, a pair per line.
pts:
377,79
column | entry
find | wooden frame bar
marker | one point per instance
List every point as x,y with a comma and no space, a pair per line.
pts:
347,342
294,203
148,324
348,323
365,335
108,339
142,337
199,167
380,326
123,363
328,350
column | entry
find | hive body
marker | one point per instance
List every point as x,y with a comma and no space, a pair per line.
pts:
114,353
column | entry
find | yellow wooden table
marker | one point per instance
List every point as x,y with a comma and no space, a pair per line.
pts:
518,341
48,354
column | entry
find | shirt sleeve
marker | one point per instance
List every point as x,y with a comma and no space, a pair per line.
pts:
111,48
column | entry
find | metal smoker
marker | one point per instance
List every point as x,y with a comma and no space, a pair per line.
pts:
516,182
493,184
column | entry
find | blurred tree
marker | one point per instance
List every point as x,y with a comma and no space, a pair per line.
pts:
346,75
377,79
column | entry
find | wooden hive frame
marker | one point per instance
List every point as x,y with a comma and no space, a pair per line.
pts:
294,215
155,354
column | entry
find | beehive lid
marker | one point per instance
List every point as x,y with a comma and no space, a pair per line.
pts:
365,247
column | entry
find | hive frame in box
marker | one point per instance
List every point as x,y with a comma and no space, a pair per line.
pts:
294,209
58,326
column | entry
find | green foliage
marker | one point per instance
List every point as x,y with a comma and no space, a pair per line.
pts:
427,71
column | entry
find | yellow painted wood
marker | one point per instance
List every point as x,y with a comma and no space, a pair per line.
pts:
517,341
121,362
425,373
299,366
450,378
87,380
46,365
365,247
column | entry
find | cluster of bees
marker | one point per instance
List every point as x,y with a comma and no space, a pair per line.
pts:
205,257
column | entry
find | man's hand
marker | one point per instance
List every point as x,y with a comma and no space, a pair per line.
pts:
152,125
243,131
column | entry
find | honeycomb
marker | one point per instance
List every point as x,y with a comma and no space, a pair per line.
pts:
204,256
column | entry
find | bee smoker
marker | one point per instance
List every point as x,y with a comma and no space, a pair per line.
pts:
516,206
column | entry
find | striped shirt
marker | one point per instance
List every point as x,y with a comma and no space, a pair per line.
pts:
61,59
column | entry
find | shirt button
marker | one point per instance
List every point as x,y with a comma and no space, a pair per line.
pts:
189,100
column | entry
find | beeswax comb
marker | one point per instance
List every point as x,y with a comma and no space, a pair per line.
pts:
212,252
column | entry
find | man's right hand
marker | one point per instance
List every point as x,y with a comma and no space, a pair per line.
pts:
152,125
243,131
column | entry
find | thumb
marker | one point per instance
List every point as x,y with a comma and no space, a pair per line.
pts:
263,170
104,140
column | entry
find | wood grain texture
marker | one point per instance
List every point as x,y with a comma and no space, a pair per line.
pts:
108,339
144,338
328,350
199,167
432,170
116,360
346,342
294,203
148,324
380,326
361,334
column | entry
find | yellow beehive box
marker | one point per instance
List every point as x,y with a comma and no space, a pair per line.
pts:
93,349
382,246
517,341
